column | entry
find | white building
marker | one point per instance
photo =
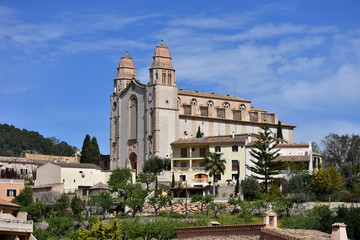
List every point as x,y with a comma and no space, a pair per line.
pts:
72,175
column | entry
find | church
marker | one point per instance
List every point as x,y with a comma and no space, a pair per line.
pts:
146,117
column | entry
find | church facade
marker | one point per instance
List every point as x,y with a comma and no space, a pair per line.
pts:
146,118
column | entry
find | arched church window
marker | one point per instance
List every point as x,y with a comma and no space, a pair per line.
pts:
242,107
226,105
210,103
193,101
133,117
164,77
156,75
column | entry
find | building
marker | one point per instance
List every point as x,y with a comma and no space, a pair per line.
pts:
188,158
72,175
146,117
10,188
13,223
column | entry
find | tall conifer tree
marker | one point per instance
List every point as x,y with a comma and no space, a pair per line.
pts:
264,154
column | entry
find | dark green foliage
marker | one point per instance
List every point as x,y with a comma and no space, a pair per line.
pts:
36,210
279,133
264,154
24,199
294,185
158,229
157,203
340,149
136,200
59,225
147,178
77,206
120,181
214,164
14,141
156,165
237,185
351,217
103,200
61,205
319,218
199,134
90,151
41,234
173,183
250,188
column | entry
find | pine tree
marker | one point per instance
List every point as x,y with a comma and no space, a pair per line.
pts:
264,154
279,133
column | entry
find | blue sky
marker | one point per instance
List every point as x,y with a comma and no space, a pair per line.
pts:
300,59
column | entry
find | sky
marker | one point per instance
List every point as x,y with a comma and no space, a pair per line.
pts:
300,59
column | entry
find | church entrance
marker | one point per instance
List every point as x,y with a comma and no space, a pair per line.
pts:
133,162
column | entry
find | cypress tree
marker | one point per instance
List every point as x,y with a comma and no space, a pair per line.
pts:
173,180
86,150
199,134
279,133
237,185
95,151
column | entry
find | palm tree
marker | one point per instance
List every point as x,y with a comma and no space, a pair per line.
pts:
214,164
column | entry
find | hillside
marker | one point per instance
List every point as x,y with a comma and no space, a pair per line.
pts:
15,141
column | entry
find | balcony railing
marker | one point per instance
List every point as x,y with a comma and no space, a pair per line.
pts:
189,169
194,155
16,225
200,180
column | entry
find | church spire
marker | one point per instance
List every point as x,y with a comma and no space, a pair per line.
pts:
161,70
125,72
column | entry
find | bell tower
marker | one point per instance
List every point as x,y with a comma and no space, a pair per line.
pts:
161,70
125,72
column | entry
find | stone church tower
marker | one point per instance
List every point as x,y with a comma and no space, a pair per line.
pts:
143,119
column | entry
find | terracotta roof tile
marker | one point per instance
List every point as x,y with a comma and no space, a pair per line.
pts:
76,165
213,139
8,204
211,95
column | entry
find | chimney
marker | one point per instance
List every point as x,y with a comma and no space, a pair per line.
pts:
339,231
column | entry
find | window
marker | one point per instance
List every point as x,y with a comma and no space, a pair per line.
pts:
183,153
193,149
9,169
11,192
237,115
187,109
183,164
220,112
234,165
193,101
226,105
217,177
201,164
217,149
133,121
23,171
235,148
182,177
254,117
242,107
202,152
210,103
204,111
234,176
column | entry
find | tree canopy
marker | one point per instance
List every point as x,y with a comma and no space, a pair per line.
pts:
90,152
156,165
263,154
215,165
15,141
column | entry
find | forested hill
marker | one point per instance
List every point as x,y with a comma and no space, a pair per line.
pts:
14,142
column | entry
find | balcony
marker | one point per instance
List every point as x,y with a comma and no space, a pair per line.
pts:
16,225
